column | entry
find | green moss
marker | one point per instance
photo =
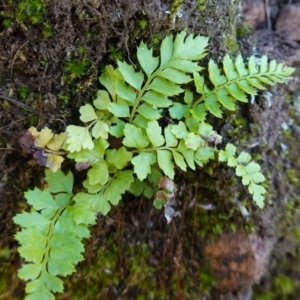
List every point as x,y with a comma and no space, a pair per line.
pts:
47,30
24,11
77,69
143,24
231,44
244,30
115,53
24,91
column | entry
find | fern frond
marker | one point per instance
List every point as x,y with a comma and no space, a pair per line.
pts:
236,80
51,236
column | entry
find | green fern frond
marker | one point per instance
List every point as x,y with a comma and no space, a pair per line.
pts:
236,80
51,236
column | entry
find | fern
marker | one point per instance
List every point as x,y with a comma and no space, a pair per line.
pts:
247,169
237,82
51,235
159,114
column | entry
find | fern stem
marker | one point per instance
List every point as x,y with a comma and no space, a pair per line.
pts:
50,234
138,99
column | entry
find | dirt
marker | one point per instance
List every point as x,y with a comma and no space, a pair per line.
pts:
51,68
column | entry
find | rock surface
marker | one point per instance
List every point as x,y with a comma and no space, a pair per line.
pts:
237,260
253,12
288,21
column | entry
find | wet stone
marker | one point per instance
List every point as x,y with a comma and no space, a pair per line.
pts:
288,21
237,260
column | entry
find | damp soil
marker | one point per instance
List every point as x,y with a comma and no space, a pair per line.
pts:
51,68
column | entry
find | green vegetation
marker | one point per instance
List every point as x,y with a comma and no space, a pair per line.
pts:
24,91
31,11
77,69
144,125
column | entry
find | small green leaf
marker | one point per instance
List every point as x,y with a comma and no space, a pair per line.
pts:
190,47
252,65
119,110
142,164
264,64
149,112
199,112
229,151
117,130
102,101
33,219
240,170
148,62
37,290
100,129
240,66
154,134
134,137
179,130
255,82
188,154
158,203
98,173
137,187
166,50
211,103
232,162
30,271
79,137
108,79
188,97
53,283
257,177
59,182
118,158
215,74
203,155
165,87
186,66
200,85
125,91
179,160
257,191
164,158
229,68
236,92
87,113
244,158
140,121
82,212
40,199
118,186
174,75
226,100
205,129
91,156
193,141
252,167
178,110
156,99
171,140
192,123
246,87
132,77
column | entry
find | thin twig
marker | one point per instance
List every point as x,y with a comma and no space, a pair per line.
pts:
19,104
268,13
14,122
12,65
